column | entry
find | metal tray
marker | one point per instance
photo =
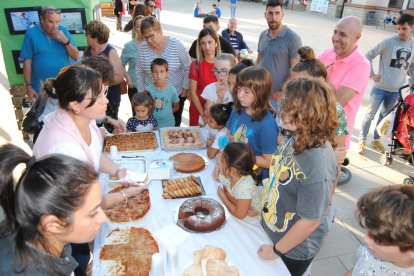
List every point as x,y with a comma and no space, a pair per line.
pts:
107,147
162,133
203,192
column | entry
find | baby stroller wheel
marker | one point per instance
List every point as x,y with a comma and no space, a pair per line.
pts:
386,159
408,181
345,176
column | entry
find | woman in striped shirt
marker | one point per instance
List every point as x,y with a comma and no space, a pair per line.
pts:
172,50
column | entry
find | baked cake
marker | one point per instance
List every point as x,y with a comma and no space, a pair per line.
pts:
135,141
188,162
182,138
201,215
129,251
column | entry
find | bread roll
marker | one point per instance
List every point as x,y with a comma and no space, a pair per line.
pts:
193,270
216,268
215,253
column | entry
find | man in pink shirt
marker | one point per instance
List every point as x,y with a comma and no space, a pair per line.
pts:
348,69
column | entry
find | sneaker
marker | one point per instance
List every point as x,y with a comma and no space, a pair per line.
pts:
378,146
361,147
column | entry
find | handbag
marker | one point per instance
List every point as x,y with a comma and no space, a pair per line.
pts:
386,125
123,87
30,122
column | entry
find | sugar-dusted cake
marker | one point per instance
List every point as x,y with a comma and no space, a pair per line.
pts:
201,214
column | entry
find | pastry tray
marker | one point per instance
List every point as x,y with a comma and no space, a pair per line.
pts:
203,192
107,147
162,131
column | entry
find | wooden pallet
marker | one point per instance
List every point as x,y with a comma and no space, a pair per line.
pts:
107,9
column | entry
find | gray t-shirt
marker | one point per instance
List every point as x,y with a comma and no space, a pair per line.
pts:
276,53
299,187
395,62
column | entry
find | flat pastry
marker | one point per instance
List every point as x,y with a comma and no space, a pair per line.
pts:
188,162
181,138
181,187
132,141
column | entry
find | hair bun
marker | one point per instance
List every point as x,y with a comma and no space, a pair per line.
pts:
306,53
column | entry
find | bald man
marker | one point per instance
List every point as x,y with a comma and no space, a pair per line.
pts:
234,37
348,69
46,49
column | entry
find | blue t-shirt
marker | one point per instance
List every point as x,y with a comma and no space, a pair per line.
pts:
218,12
233,1
196,11
48,55
163,101
136,125
260,135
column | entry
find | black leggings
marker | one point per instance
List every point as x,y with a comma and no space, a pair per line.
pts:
296,267
179,113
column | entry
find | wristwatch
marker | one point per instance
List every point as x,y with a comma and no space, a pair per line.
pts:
67,43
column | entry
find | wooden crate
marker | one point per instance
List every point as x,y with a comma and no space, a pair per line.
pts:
107,9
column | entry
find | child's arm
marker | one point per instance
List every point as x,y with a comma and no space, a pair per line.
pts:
263,161
207,106
175,106
212,152
299,232
240,209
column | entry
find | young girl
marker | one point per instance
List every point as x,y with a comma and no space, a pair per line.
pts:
387,216
310,67
218,92
231,78
219,115
55,202
143,119
201,72
251,121
303,172
240,178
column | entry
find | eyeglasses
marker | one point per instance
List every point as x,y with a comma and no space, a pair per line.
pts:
146,38
223,72
50,11
101,95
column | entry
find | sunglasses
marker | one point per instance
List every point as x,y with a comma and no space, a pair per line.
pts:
151,6
50,11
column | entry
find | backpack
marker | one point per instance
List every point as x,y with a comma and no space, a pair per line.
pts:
30,122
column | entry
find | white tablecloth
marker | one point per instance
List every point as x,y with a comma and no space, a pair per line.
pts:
239,238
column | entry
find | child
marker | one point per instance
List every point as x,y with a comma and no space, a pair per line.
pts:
251,121
240,177
218,92
56,201
387,216
165,97
216,10
143,120
303,172
231,78
219,115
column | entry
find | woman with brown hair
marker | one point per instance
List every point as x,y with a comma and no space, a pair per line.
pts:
201,72
139,9
97,35
173,51
130,55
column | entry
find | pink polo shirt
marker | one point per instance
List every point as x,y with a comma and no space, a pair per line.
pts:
352,72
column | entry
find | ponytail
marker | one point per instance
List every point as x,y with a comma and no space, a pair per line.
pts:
10,157
55,185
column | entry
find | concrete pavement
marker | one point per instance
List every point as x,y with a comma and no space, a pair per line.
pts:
345,236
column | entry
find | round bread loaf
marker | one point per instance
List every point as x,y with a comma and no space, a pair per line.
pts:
188,162
201,214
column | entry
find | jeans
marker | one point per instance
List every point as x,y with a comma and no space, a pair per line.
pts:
377,97
233,10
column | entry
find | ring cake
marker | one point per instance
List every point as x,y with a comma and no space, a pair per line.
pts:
188,162
201,215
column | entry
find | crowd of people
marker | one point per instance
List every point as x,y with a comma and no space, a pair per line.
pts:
279,128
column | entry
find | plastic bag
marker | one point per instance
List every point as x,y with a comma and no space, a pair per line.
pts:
386,125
